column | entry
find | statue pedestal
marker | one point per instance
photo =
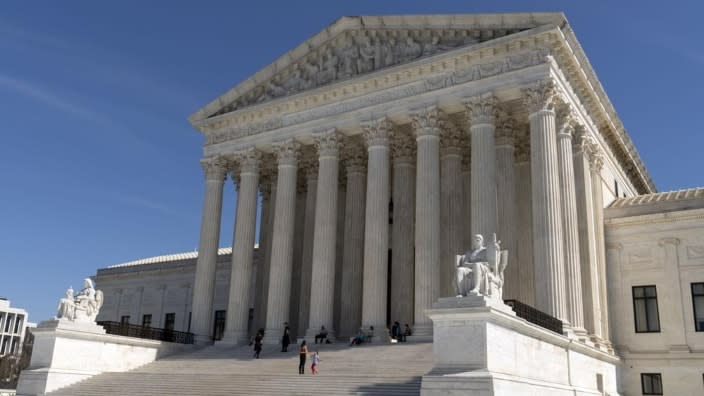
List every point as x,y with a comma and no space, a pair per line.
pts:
66,352
481,347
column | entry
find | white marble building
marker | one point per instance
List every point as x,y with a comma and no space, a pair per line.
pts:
381,144
13,327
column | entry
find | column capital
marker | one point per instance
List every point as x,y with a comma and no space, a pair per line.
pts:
327,143
596,160
403,149
215,168
452,141
377,132
355,158
425,122
248,161
481,109
287,152
522,152
540,96
505,129
565,121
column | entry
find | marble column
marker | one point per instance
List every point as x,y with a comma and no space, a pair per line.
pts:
573,276
322,294
467,198
582,150
427,230
402,233
268,191
451,204
506,199
595,166
243,249
339,246
482,112
523,258
294,308
204,286
282,241
376,232
353,258
311,175
548,254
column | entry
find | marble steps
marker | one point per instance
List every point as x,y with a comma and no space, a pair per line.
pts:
380,369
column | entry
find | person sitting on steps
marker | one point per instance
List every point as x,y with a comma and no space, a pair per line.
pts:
323,335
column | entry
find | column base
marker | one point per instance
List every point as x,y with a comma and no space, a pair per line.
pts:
273,336
202,339
311,333
381,333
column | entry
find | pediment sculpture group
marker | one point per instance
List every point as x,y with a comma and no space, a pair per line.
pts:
355,53
83,306
480,271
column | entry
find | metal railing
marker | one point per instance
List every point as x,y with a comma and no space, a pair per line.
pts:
534,316
150,333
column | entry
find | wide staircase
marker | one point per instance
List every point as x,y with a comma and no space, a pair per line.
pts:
368,369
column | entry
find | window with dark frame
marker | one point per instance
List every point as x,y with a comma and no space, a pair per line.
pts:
147,320
169,321
651,383
645,309
125,320
698,305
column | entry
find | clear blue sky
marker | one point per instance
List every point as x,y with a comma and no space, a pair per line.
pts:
98,164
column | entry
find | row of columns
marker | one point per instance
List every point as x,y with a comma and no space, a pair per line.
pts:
499,187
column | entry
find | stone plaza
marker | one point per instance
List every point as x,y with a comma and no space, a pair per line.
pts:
370,156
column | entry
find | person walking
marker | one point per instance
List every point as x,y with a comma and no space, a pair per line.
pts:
316,360
258,343
302,354
286,339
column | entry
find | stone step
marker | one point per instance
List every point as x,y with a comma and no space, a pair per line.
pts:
369,370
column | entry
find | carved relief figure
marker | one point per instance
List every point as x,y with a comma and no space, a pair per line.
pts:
348,63
481,269
367,56
328,71
410,49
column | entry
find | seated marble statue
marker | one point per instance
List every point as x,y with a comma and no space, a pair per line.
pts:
480,271
67,306
84,306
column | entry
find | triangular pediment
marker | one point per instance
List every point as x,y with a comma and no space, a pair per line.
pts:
354,46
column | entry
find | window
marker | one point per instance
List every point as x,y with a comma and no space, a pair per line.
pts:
147,320
651,383
189,322
645,309
125,320
169,321
18,324
698,302
616,188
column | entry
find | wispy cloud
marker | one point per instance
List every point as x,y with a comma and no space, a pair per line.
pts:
49,98
145,203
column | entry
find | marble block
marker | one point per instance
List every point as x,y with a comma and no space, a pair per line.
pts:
481,347
66,352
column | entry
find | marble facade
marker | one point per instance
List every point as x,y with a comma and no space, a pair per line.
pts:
407,118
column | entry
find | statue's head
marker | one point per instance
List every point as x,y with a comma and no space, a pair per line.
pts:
87,283
477,241
69,292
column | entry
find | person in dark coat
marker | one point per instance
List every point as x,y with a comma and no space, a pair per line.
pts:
286,339
302,354
258,343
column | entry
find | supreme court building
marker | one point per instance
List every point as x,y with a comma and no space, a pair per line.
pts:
375,150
